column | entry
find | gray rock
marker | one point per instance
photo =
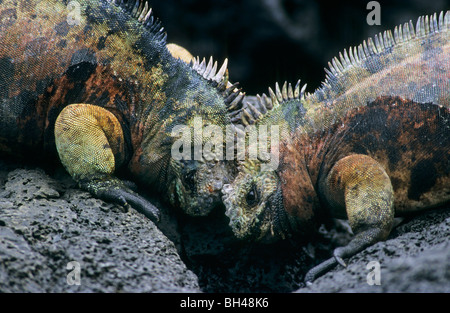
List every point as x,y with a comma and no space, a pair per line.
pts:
415,258
46,224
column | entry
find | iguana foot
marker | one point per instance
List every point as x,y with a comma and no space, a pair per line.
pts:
116,191
357,244
359,184
338,255
90,145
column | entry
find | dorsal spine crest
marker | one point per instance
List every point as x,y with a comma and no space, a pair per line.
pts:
425,26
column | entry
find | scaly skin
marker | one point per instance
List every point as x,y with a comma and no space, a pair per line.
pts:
373,142
107,68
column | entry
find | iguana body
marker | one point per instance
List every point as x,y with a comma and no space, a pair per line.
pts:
373,142
101,70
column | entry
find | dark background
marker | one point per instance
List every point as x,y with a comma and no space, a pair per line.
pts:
277,40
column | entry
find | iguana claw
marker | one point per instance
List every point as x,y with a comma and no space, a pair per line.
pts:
338,255
129,198
116,191
319,270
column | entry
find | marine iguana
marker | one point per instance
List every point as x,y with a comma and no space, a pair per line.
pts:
371,143
94,82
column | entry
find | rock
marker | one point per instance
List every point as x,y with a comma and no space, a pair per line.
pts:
224,264
48,227
415,258
45,224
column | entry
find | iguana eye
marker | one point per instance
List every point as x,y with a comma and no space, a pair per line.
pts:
189,179
252,196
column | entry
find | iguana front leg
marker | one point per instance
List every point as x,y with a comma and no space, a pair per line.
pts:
359,184
90,144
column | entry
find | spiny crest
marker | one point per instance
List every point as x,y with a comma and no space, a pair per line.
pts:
287,93
141,10
255,110
209,70
219,78
233,96
425,26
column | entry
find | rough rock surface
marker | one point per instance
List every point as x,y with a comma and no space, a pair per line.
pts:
415,258
45,223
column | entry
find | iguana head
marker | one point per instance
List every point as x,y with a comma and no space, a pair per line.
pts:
254,199
254,203
198,187
200,175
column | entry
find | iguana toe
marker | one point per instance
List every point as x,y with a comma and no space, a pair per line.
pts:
338,255
319,270
116,191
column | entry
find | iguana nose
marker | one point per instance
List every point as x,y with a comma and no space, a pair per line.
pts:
217,185
226,188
